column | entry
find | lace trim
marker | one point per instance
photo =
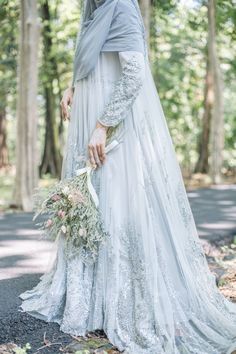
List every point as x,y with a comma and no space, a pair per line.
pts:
125,92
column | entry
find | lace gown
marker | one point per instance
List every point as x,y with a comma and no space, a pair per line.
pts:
150,289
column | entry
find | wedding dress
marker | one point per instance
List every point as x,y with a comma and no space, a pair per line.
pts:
150,289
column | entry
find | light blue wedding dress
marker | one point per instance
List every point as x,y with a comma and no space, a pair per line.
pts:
150,289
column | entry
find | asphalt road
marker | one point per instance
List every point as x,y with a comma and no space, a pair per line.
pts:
24,256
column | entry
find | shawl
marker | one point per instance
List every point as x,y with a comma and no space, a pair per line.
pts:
107,25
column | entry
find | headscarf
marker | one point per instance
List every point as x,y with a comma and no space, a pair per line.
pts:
107,25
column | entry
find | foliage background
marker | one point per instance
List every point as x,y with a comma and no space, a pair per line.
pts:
178,41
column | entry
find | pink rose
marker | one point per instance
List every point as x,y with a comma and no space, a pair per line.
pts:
61,214
76,198
55,197
49,223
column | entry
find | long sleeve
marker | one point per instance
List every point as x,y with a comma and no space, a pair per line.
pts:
126,88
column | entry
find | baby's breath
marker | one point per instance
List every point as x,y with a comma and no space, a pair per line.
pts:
72,214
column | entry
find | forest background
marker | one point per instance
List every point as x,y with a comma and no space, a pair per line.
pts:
192,50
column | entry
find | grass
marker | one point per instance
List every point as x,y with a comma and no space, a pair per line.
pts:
7,178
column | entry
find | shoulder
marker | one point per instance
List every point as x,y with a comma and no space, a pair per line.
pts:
126,12
127,7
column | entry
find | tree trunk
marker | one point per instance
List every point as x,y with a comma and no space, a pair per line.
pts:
212,138
4,161
26,145
145,7
217,121
51,160
202,165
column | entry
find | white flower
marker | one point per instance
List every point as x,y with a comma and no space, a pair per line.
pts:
63,229
66,190
82,232
70,197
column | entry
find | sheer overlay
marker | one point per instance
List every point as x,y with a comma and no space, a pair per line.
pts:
150,289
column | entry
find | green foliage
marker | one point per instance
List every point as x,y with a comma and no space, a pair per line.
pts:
57,60
178,61
64,25
9,17
23,350
178,58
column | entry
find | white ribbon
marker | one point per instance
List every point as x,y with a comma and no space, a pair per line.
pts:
88,169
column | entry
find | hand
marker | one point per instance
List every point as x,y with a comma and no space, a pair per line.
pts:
66,102
96,146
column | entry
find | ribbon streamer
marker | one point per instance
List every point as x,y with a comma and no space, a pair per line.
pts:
88,169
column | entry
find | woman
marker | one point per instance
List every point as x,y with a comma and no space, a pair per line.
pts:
150,289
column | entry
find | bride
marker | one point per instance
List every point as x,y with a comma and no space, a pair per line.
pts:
150,288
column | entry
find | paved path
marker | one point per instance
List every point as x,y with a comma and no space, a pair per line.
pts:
24,256
214,211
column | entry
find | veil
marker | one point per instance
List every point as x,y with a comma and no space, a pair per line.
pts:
107,25
203,310
192,303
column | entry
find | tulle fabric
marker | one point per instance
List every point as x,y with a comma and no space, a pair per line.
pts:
150,290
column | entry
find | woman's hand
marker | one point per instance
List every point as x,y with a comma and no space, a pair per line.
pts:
96,146
66,102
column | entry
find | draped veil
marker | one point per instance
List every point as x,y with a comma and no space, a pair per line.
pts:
203,311
107,25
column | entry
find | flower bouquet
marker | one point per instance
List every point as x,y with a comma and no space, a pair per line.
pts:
71,207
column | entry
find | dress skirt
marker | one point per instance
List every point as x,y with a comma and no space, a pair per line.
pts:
150,288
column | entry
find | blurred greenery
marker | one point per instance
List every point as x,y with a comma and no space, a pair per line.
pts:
178,58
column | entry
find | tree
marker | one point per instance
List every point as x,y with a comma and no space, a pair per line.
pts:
26,146
203,146
212,138
51,161
9,16
217,120
4,161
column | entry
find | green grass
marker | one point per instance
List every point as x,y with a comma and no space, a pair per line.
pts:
7,185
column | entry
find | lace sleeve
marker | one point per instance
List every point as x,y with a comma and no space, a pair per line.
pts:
126,88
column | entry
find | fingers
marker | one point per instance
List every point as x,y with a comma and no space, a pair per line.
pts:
101,153
91,156
70,100
97,147
97,154
66,102
64,109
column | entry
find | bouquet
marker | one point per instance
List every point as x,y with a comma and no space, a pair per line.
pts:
72,211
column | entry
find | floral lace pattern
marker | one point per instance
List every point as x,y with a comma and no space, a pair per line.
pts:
125,92
150,289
